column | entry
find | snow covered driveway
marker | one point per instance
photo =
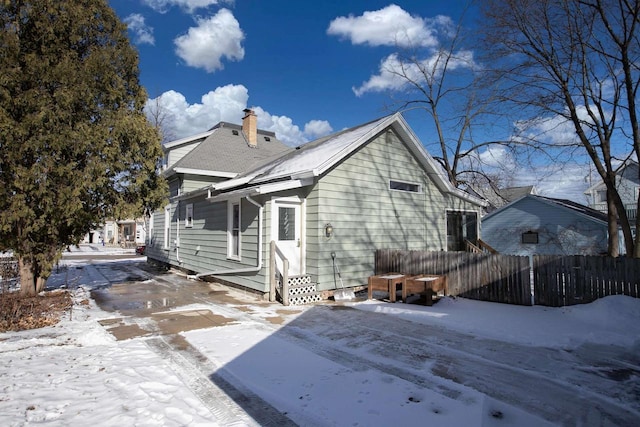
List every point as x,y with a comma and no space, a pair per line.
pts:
193,353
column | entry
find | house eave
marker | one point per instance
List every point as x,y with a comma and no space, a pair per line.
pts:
187,140
204,172
263,189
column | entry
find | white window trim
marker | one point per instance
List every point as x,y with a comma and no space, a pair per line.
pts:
188,217
167,227
405,182
230,254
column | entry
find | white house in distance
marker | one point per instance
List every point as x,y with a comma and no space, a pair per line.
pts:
236,189
628,185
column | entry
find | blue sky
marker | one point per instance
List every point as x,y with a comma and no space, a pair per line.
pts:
307,68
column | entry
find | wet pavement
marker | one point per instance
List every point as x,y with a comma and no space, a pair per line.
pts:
149,306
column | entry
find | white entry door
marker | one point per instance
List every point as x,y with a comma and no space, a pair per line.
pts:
286,229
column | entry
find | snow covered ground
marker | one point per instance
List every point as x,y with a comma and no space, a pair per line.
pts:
321,366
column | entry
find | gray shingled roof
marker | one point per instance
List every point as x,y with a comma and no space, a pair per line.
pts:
222,151
570,204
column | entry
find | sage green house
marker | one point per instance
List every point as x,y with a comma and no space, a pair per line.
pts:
235,190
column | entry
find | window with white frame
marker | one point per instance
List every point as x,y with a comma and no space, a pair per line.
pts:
188,219
234,235
167,226
410,187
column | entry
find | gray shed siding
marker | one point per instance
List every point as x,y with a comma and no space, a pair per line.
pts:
560,231
366,215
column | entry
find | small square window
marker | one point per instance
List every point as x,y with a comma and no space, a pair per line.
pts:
188,220
530,237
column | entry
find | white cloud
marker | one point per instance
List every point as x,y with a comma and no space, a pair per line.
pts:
222,104
390,26
226,104
394,74
317,128
557,129
143,34
497,156
163,6
216,37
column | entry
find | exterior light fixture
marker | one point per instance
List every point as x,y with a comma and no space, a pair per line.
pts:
328,230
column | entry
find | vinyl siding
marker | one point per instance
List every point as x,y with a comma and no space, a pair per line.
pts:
196,182
176,154
203,247
355,198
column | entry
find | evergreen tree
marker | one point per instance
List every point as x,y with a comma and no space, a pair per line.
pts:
75,145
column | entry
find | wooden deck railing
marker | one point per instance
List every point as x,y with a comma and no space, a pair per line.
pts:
479,248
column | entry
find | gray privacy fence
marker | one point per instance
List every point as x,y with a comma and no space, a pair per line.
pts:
544,280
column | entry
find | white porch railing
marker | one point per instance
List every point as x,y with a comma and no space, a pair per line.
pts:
274,272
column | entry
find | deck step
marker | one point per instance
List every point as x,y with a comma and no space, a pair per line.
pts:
305,298
302,290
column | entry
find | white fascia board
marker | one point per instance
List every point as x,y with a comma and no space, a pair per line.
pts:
191,194
188,139
262,189
231,183
205,172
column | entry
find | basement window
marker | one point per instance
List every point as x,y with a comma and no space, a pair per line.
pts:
530,237
410,187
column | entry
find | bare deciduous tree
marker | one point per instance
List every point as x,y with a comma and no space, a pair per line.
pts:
575,60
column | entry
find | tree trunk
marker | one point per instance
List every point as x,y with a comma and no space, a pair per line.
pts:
30,281
613,244
636,249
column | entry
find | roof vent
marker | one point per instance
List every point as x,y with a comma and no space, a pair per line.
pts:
266,138
235,132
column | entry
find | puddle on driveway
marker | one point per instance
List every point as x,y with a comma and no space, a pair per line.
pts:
165,323
147,307
180,321
122,331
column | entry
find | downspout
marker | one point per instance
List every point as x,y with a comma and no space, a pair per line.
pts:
254,269
178,233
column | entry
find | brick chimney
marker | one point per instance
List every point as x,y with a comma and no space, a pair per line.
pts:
250,127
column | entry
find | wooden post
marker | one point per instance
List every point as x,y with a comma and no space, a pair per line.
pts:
272,271
285,282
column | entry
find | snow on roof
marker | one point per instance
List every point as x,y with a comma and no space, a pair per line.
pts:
318,155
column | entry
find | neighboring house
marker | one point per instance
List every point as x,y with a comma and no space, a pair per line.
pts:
536,225
496,198
235,189
118,232
628,185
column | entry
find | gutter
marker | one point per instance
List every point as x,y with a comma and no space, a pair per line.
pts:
253,269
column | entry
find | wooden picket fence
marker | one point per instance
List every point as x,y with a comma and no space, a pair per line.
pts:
569,280
543,280
486,277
